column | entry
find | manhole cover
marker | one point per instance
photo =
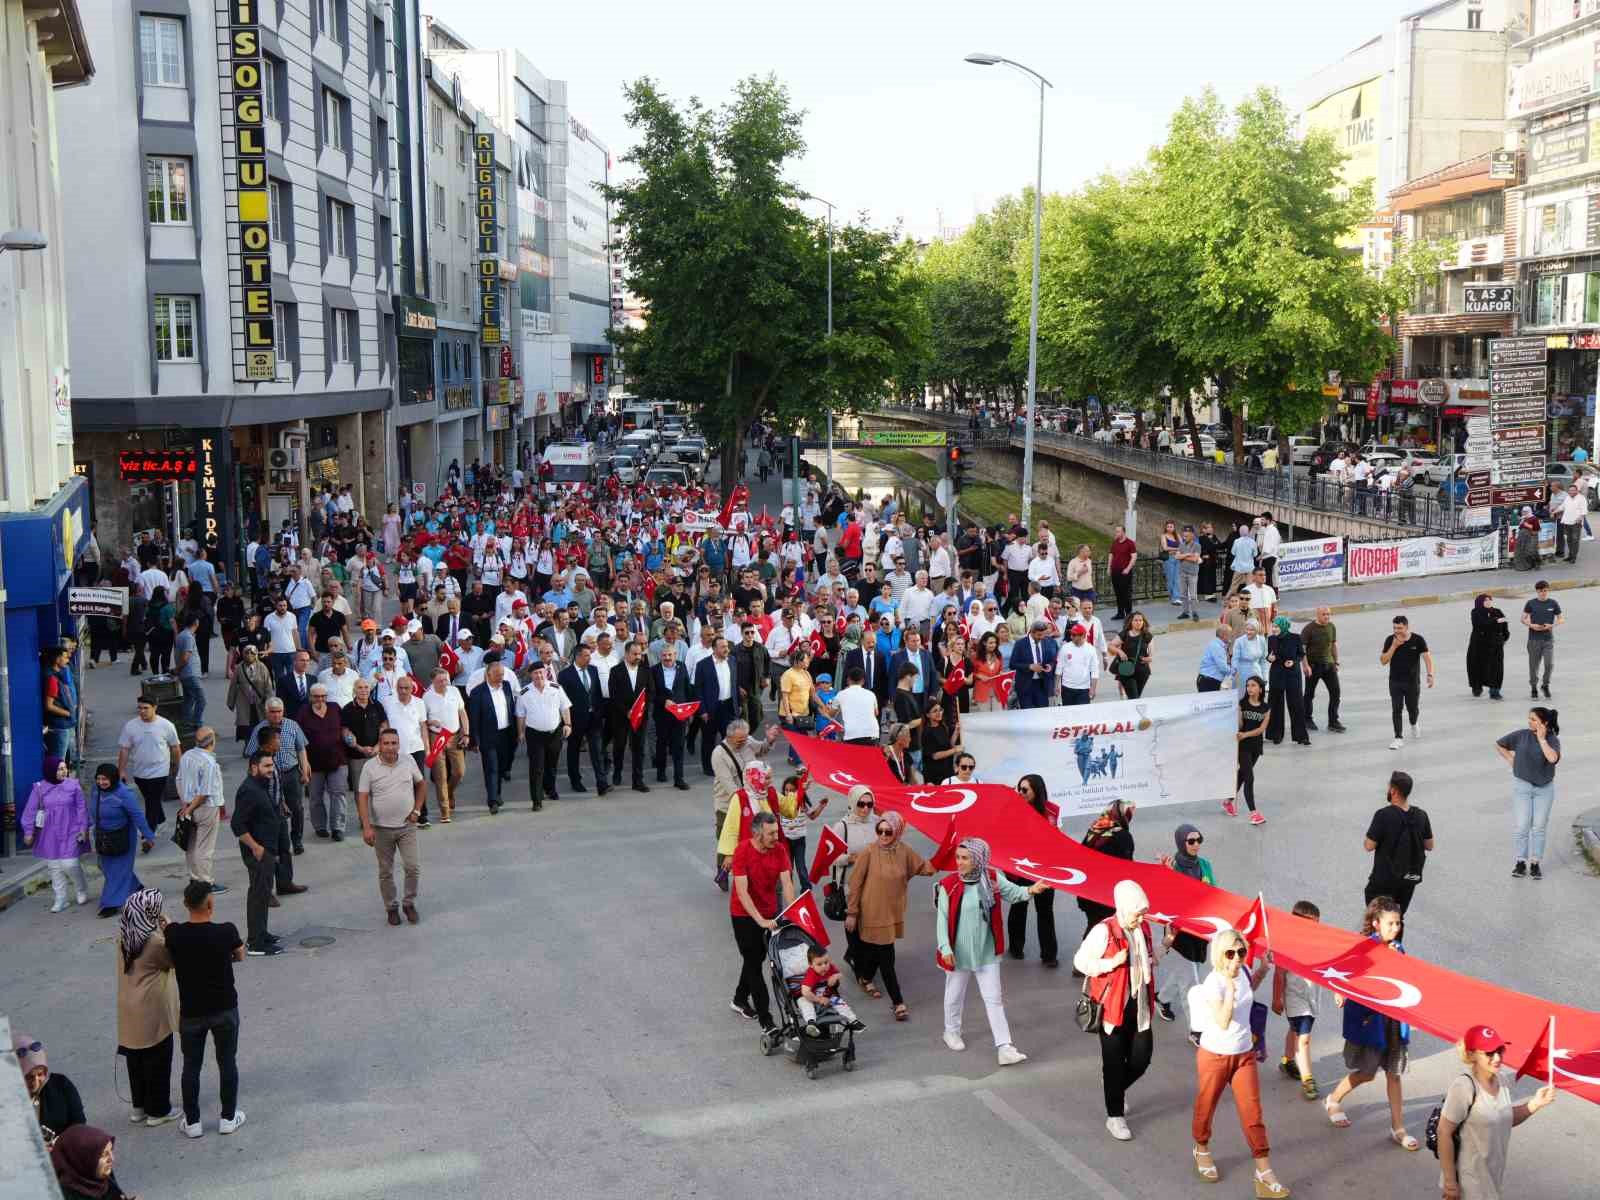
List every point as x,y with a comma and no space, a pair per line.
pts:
317,942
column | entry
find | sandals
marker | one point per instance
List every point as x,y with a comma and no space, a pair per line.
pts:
901,1013
1403,1139
867,986
1205,1166
1336,1113
1268,1187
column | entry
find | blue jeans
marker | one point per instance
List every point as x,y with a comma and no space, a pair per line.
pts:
302,617
1530,808
1169,567
58,740
194,701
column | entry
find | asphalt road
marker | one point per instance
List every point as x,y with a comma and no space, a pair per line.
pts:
558,1024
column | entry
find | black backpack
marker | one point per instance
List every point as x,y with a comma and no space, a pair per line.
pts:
1431,1132
1408,855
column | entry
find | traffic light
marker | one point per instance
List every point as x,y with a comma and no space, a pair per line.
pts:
955,466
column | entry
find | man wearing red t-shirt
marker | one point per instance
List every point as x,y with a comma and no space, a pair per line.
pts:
759,869
850,542
1124,553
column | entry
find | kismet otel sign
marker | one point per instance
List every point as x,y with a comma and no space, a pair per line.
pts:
250,186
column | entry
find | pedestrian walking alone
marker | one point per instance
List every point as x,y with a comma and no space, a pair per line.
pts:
1253,716
55,822
1399,838
1486,648
1320,639
1405,653
203,952
1533,754
389,803
1540,616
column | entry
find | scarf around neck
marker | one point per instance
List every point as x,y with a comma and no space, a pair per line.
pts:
979,849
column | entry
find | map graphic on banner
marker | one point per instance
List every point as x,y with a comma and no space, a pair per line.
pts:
1161,750
1406,987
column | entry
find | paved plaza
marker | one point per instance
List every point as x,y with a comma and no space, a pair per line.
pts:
558,1024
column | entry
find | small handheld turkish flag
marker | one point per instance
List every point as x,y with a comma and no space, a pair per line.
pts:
440,741
1002,686
684,712
828,728
1540,1060
818,646
636,713
805,913
829,847
1254,927
955,681
944,858
449,661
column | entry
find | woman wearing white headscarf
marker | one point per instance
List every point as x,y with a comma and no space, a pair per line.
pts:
145,1007
1118,958
972,936
1249,653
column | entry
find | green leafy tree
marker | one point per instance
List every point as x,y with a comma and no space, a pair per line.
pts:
734,275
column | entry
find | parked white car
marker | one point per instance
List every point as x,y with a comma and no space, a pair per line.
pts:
1301,449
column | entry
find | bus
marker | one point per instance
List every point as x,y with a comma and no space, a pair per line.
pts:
638,416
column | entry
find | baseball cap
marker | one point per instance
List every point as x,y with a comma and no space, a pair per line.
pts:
369,624
1484,1038
1078,631
463,635
414,627
497,640
385,633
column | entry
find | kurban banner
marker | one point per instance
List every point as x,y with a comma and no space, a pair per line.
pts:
1409,557
1404,986
1161,750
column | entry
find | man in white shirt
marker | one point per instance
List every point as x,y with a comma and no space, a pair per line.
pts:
1263,596
1042,570
1096,633
153,577
941,564
1570,521
447,713
1078,668
286,638
1269,539
408,716
544,720
339,679
202,800
302,597
916,605
1360,480
858,709
1016,556
607,654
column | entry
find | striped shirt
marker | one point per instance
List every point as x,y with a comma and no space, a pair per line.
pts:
200,775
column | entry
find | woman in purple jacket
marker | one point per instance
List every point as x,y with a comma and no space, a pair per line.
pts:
55,822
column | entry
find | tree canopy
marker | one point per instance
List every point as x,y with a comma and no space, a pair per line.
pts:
734,275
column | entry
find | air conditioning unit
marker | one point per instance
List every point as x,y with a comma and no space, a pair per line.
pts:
278,459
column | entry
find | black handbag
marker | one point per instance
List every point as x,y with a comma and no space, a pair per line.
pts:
109,843
1088,1016
183,833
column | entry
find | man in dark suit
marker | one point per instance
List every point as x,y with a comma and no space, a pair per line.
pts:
669,682
919,656
877,678
629,678
1034,660
492,717
294,689
716,686
447,625
581,682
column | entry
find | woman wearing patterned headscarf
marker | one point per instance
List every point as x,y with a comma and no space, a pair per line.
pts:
971,938
55,1099
55,822
876,909
85,1162
144,1008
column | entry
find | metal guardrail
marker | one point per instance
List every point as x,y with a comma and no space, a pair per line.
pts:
1420,510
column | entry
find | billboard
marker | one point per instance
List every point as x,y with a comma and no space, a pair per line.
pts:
1354,119
1318,562
1407,558
1555,76
245,135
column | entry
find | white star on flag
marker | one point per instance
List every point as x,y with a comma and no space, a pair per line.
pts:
1023,862
921,795
1163,918
1334,973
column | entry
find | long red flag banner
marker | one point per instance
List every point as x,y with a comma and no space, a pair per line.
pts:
1405,987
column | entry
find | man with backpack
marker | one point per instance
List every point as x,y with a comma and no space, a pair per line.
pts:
1399,838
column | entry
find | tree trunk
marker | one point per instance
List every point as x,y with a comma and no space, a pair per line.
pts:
1238,434
1188,419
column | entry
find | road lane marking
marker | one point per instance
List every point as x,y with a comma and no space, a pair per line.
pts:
699,865
1082,1171
400,1172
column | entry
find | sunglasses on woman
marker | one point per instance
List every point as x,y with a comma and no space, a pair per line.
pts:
865,805
1236,952
1193,841
28,1047
884,831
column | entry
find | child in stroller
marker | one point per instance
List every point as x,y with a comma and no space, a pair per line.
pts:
808,1032
819,988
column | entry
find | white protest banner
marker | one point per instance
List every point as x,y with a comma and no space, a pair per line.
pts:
1158,750
1410,557
1315,563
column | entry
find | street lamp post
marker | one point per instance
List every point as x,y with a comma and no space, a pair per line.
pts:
829,206
990,60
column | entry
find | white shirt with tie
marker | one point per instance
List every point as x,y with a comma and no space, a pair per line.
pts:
724,679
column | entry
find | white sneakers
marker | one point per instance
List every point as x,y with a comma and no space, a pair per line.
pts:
173,1115
59,906
953,1040
1397,744
192,1131
226,1126
238,1120
1416,731
1010,1056
136,1115
1118,1128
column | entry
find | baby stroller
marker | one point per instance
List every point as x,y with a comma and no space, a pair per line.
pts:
786,962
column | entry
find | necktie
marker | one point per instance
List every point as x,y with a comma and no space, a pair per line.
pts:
869,655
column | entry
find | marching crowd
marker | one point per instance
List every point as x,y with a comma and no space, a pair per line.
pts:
605,630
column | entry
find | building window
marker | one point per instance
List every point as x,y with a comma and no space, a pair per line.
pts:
466,296
438,205
344,335
1474,18
174,322
461,147
161,51
441,284
330,19
282,315
166,185
377,52
334,108
278,203
461,219
271,72
438,127
338,235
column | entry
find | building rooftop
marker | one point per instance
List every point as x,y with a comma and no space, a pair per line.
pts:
66,48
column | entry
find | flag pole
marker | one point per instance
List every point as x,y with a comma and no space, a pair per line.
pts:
1265,933
1550,1056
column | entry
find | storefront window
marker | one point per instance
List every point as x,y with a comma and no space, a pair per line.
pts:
1547,302
147,506
416,370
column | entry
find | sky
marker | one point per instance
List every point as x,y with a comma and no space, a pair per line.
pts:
898,127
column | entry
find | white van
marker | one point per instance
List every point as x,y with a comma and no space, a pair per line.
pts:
571,463
638,416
